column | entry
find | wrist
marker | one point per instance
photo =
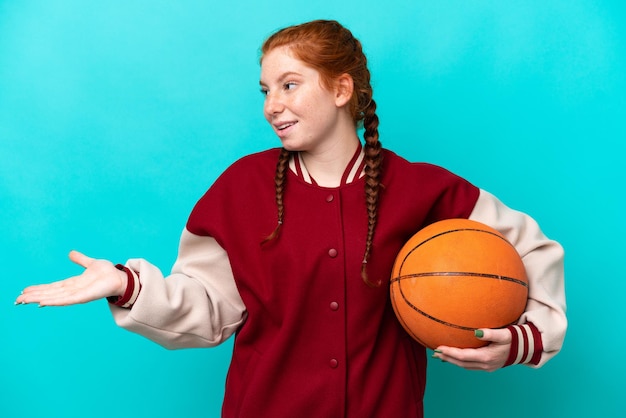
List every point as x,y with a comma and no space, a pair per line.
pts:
129,288
123,279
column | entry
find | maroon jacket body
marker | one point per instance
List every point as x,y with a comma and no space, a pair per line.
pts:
317,341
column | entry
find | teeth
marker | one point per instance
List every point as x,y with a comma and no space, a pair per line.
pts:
284,126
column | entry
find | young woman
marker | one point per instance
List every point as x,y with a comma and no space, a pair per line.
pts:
291,250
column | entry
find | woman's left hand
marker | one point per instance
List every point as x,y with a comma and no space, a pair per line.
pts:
488,358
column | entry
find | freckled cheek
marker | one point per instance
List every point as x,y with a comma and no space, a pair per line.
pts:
308,110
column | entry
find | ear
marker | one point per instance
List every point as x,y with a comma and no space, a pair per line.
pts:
344,87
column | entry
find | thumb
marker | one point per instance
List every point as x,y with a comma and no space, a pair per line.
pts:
80,258
500,336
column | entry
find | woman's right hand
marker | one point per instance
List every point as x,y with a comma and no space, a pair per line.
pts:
99,280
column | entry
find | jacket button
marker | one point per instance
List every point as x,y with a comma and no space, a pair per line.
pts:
333,363
330,198
334,306
332,253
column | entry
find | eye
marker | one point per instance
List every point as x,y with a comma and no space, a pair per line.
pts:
290,85
264,91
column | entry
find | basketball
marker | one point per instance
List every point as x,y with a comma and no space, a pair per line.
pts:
453,277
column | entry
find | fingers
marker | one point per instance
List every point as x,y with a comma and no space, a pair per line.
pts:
80,258
488,358
51,294
467,358
64,292
500,336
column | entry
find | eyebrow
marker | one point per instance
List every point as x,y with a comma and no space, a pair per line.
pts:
283,76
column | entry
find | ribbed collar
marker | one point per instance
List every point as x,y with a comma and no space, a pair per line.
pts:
353,171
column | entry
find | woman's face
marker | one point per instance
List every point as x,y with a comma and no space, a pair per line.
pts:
304,114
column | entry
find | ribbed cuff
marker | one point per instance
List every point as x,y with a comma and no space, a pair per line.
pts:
133,287
526,345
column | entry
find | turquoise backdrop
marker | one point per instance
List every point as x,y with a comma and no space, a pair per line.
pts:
116,116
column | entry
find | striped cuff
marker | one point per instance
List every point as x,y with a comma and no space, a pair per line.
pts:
133,287
526,345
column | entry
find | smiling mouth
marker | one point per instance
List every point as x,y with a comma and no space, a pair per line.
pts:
283,126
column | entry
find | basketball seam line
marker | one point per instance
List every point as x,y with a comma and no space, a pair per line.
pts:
415,308
460,273
450,232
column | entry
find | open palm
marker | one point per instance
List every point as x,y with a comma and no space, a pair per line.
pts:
99,280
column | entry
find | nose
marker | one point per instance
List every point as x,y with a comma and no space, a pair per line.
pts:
273,105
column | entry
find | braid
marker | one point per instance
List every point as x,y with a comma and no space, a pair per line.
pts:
279,185
373,159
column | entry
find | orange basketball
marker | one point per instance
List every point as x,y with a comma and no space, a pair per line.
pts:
453,277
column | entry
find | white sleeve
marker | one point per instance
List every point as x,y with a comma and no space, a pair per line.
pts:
543,259
198,305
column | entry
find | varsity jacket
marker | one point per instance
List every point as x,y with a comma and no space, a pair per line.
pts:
311,338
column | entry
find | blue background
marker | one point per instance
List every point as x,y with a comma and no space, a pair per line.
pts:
116,116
